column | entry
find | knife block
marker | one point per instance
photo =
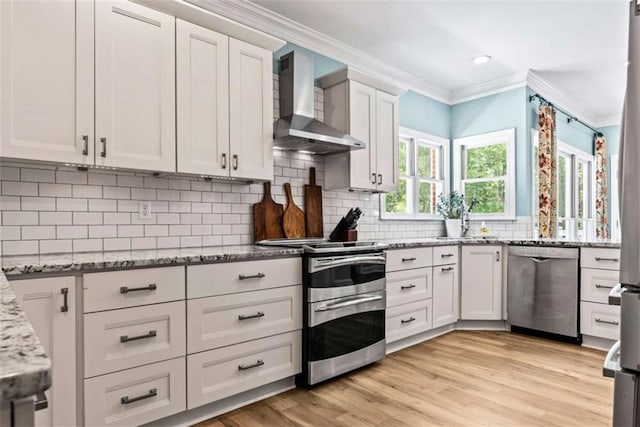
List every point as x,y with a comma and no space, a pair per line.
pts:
349,236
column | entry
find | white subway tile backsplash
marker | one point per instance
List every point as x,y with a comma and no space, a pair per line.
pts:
87,218
55,190
156,230
9,174
191,218
102,231
17,188
143,194
101,179
20,247
10,232
10,203
55,218
64,204
190,241
168,242
37,175
19,218
170,195
87,245
55,246
87,191
168,218
72,232
130,181
143,243
38,204
38,232
190,196
102,205
116,192
67,177
156,183
116,244
130,230
116,218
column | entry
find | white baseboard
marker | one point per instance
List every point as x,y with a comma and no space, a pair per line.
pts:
417,339
482,325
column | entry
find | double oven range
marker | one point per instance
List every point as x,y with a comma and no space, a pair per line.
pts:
344,297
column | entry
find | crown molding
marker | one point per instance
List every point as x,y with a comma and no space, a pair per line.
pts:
265,20
609,120
502,84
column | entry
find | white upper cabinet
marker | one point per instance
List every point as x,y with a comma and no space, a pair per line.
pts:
366,109
250,111
481,283
202,66
135,87
46,74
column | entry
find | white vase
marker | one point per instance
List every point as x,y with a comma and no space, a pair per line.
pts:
454,227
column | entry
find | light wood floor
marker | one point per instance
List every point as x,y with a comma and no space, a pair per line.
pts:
463,378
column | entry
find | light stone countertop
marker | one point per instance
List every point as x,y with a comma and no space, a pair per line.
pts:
443,241
25,369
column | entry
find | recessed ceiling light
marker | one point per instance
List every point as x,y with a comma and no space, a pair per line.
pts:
482,59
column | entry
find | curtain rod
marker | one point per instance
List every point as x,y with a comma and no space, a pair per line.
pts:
570,118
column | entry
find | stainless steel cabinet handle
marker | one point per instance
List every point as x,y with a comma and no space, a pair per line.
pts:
497,256
126,289
379,179
127,338
235,162
446,255
126,399
323,264
373,175
85,148
599,286
409,259
103,153
607,259
251,276
409,320
41,402
224,160
404,287
447,269
349,302
608,322
250,316
259,362
65,303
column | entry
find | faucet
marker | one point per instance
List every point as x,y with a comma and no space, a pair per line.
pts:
464,224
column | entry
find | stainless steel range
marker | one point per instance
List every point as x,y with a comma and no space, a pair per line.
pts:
344,306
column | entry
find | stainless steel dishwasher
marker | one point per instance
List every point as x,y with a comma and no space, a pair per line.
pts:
543,291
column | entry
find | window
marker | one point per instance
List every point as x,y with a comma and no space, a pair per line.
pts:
576,189
424,173
485,171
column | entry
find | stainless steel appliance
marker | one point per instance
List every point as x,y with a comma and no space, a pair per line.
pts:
543,292
344,307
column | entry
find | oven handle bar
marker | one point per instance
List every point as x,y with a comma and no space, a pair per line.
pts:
354,260
349,302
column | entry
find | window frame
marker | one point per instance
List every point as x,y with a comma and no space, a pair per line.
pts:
413,179
483,140
576,156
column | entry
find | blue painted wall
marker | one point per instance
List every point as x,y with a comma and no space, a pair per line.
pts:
497,112
425,114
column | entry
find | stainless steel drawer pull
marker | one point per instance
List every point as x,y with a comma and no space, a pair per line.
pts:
127,338
259,362
598,258
126,399
373,175
446,255
608,322
250,316
224,160
235,162
126,289
409,320
379,179
599,286
411,286
251,276
103,153
349,301
447,269
409,259
85,148
65,303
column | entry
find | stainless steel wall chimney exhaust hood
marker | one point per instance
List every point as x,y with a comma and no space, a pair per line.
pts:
297,129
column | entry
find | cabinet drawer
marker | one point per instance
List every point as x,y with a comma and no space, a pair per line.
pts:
128,288
595,285
600,320
215,374
228,278
152,392
230,319
122,339
408,319
443,255
608,259
407,286
403,259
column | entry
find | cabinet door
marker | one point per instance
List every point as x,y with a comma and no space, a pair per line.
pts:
250,111
46,74
202,80
387,141
446,301
42,300
135,87
481,283
362,126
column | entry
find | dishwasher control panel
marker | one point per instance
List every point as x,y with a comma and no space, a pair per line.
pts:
544,252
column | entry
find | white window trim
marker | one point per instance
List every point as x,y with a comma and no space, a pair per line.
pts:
570,150
614,220
438,141
510,183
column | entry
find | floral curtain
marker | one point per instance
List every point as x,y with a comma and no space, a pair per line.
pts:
547,174
602,221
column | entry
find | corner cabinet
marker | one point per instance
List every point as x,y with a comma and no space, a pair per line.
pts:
481,283
368,110
50,304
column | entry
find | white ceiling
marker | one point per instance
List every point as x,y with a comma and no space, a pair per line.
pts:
578,47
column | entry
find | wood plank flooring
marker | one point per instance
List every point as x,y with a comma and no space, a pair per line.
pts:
460,379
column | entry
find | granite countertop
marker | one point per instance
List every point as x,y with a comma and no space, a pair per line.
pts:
443,241
25,369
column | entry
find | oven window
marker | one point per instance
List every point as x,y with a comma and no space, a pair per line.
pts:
346,275
346,334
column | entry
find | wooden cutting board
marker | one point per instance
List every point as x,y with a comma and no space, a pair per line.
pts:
313,206
267,217
293,218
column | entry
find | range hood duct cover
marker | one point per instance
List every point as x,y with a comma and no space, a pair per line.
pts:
297,129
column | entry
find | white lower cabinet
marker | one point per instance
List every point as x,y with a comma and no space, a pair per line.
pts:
408,319
223,372
50,304
136,396
481,282
600,320
409,285
446,295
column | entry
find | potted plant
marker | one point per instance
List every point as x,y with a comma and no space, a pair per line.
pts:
452,207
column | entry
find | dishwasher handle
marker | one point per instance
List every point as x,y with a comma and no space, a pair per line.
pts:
539,260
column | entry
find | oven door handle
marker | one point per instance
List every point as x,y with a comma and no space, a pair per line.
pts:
610,364
347,302
355,260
